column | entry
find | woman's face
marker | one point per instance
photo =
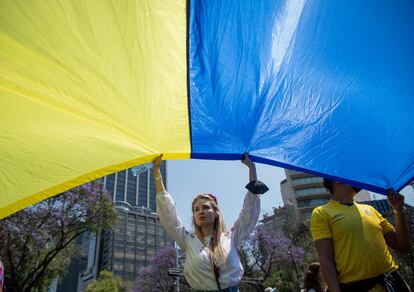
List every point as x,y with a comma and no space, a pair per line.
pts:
203,212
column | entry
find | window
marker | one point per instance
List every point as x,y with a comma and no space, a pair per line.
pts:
120,186
142,193
310,191
307,180
311,203
110,181
131,189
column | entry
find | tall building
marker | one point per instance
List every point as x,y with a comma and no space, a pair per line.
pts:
138,233
133,242
137,190
83,268
302,192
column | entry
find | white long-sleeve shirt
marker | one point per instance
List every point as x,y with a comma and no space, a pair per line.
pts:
198,269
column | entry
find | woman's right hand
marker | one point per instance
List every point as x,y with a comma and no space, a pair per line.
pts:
159,185
157,162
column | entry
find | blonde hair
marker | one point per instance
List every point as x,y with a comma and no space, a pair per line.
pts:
218,228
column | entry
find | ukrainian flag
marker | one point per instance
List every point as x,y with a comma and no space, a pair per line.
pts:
88,88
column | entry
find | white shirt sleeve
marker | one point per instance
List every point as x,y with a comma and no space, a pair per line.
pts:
169,220
248,218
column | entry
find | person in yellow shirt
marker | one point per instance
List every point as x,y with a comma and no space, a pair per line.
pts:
353,240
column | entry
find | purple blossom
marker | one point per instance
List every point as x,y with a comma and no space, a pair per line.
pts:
155,276
269,250
33,239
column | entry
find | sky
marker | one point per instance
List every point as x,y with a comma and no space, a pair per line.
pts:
227,180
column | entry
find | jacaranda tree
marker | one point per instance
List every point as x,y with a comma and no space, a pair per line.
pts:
37,243
154,277
267,251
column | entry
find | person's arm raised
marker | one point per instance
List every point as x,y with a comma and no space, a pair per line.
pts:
159,184
166,209
252,167
399,239
249,215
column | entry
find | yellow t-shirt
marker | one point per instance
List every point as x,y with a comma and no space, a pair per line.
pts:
357,233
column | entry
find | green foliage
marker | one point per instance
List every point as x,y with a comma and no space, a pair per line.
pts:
283,280
107,282
406,265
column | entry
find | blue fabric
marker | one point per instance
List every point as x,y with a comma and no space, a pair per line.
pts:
319,86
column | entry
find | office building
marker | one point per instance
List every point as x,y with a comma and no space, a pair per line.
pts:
138,233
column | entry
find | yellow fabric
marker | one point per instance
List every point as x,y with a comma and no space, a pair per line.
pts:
357,233
87,88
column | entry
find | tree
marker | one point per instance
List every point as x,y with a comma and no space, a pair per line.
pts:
155,276
405,264
38,242
300,235
107,282
267,251
283,281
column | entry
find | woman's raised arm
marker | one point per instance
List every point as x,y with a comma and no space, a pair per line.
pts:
250,212
166,208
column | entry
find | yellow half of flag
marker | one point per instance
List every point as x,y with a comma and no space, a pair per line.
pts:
87,88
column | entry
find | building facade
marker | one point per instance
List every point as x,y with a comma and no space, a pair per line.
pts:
277,220
133,243
138,233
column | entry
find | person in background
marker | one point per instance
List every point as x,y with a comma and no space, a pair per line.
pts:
212,262
312,279
1,276
353,241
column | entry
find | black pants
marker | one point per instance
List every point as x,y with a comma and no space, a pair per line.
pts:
391,281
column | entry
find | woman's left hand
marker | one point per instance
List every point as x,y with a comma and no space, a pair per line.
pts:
246,161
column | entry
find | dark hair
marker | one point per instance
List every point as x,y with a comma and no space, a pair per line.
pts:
356,190
313,278
329,185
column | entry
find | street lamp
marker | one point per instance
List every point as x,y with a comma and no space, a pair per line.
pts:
177,279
